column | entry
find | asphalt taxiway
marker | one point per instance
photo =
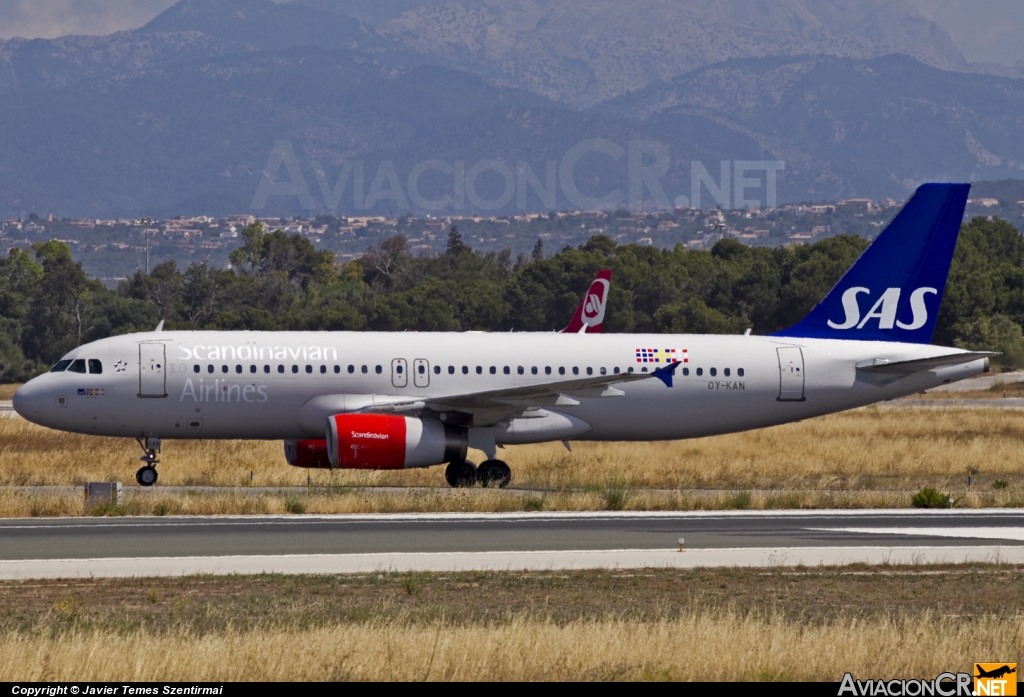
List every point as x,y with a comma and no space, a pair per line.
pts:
72,547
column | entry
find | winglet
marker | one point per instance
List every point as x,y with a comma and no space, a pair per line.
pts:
665,374
589,317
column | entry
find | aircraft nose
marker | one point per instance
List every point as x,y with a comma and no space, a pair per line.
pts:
29,400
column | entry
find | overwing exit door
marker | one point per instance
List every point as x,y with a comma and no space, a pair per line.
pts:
399,372
152,370
791,374
421,372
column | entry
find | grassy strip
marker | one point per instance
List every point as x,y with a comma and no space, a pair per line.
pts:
16,504
708,624
858,450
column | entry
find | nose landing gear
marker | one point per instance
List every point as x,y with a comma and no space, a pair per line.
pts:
146,476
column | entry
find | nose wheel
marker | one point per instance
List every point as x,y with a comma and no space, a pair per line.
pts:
146,476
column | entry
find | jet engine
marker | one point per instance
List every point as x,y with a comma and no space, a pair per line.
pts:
386,441
310,454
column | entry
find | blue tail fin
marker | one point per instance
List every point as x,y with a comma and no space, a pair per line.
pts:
893,291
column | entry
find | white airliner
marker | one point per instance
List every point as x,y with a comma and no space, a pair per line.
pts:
406,399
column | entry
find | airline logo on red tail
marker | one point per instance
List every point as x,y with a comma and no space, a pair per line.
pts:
594,304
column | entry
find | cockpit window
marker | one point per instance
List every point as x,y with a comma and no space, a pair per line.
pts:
77,366
61,366
95,366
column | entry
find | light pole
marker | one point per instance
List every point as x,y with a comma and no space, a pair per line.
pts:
146,222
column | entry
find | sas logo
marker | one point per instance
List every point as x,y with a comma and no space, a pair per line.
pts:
884,309
995,679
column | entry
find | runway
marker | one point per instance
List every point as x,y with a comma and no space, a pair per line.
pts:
72,547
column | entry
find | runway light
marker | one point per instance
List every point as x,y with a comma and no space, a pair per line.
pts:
681,545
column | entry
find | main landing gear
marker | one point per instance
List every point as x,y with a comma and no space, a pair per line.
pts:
464,474
146,476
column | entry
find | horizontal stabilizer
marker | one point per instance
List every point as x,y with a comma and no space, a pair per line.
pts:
884,366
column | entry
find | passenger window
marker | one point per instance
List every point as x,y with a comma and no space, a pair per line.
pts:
351,369
323,369
280,368
337,369
714,372
422,370
77,366
465,370
437,370
739,371
507,371
533,370
95,367
378,370
266,369
700,371
493,370
547,370
616,370
726,371
364,370
195,368
590,371
628,371
644,369
309,369
295,369
398,369
238,369
575,370
520,370
604,371
209,368
479,370
686,371
223,369
561,371
60,366
252,369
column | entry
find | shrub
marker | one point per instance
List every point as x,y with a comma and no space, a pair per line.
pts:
1000,484
930,498
294,505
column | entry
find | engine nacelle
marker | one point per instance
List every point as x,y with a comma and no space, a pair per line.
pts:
385,441
311,454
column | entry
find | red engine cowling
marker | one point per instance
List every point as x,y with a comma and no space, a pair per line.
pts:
385,441
311,454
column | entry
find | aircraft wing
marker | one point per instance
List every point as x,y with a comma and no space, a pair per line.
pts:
491,406
885,366
560,393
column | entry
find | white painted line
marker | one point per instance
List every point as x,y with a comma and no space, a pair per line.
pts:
501,561
972,533
149,521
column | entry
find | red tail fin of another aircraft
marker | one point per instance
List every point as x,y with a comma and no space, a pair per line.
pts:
589,317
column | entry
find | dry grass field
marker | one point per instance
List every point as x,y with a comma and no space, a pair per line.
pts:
701,624
864,458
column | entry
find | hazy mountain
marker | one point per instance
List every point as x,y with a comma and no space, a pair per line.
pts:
189,31
181,116
583,53
848,127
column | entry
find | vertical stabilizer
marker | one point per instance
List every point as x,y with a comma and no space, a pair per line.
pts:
893,291
589,317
